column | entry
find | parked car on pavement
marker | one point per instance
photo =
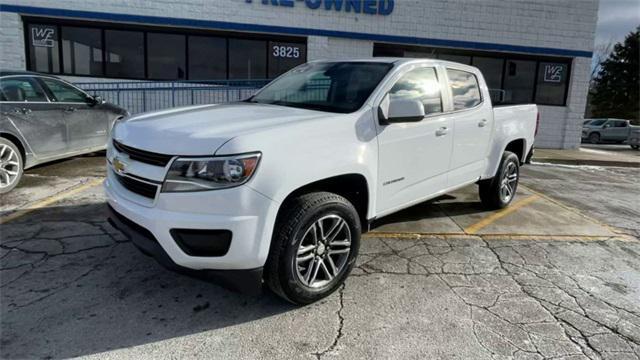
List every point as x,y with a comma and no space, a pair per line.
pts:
279,187
606,130
634,138
45,118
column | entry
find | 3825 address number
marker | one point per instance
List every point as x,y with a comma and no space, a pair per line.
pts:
291,52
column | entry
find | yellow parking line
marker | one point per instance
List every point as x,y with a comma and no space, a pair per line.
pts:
50,200
473,229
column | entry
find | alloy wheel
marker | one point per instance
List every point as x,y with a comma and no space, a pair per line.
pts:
508,182
9,166
323,251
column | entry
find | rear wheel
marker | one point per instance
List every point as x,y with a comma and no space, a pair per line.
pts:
594,138
499,191
11,165
314,248
635,147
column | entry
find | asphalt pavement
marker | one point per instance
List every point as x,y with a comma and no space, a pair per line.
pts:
70,285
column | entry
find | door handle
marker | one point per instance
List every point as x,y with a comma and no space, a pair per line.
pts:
482,123
442,131
70,109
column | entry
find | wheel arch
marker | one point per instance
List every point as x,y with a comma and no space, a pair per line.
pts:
16,140
518,147
353,187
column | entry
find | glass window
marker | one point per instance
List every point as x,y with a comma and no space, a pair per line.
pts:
620,123
420,84
82,51
462,59
166,56
284,57
491,69
325,86
21,89
552,83
597,122
519,79
43,48
207,58
464,89
64,92
124,53
247,59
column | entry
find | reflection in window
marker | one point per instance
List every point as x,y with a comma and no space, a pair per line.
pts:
21,89
519,79
64,92
552,83
207,58
166,56
124,51
82,51
43,48
247,59
420,84
464,89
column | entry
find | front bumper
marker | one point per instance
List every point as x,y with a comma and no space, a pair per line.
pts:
247,214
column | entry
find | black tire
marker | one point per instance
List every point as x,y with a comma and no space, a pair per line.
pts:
491,190
635,147
8,158
594,138
301,214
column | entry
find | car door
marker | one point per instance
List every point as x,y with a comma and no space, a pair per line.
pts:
414,157
88,126
618,131
473,123
41,122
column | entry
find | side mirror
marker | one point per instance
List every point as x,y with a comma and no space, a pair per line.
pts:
95,100
606,126
404,110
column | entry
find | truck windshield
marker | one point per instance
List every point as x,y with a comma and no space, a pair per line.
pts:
340,87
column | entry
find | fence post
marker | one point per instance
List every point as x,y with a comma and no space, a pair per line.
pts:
173,95
144,100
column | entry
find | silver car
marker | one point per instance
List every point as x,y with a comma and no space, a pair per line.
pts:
45,118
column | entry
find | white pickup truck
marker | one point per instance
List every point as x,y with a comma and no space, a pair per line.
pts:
278,188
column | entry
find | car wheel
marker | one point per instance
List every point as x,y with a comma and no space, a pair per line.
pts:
594,138
314,248
499,191
11,165
635,147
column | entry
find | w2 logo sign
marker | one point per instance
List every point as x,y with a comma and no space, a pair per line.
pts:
42,36
553,73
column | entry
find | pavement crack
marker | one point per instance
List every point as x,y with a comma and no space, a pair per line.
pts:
340,332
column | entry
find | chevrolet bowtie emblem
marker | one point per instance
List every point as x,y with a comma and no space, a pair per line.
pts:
119,166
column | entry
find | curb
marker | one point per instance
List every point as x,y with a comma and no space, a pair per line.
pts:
627,164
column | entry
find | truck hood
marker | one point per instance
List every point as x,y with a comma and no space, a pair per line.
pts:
201,130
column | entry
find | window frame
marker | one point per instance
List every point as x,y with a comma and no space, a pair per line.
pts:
34,79
52,96
438,75
385,49
187,32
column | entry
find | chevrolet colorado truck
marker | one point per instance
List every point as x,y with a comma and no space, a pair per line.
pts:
278,188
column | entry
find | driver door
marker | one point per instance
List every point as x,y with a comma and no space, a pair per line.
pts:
87,125
414,157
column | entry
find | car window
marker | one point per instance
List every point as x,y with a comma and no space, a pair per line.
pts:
420,84
21,89
64,92
464,89
620,124
597,122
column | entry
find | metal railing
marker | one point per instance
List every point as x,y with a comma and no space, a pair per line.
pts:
143,96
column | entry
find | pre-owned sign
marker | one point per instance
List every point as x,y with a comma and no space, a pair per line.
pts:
371,7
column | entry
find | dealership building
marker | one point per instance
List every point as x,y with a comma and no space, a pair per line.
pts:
536,51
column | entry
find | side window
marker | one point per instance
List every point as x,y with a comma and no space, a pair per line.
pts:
420,84
621,124
64,92
464,89
21,89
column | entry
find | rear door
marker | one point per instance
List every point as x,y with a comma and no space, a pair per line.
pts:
87,125
473,123
414,157
40,121
619,130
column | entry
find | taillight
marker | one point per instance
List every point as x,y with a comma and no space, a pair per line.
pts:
537,124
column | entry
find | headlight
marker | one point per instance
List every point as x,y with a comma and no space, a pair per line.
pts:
200,174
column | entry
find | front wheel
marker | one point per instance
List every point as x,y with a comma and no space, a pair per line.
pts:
499,191
314,247
594,138
635,147
11,165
